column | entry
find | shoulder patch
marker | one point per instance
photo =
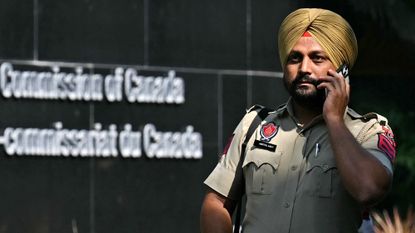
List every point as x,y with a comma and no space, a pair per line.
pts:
386,143
268,131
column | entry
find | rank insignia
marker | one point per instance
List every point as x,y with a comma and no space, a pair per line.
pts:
268,131
387,143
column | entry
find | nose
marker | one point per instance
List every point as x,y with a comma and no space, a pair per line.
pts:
305,66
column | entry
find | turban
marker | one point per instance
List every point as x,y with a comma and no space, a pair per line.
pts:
329,29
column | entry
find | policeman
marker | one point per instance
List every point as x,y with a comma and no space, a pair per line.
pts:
313,165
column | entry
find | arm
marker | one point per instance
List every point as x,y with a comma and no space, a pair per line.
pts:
366,179
216,213
226,183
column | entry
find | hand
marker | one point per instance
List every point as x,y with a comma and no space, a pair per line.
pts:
337,99
385,224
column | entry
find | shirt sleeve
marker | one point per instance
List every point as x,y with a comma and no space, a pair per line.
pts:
227,178
380,142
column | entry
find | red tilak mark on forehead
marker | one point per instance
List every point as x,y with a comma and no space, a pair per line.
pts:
306,34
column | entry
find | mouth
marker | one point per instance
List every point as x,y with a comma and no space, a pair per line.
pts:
305,84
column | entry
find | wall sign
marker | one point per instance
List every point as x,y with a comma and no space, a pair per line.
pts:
79,86
123,85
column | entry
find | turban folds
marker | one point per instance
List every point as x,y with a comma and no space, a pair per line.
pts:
329,29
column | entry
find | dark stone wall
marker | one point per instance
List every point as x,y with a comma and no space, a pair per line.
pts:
213,45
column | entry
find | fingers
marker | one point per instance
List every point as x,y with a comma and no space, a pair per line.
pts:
334,82
388,221
385,225
410,222
397,219
382,224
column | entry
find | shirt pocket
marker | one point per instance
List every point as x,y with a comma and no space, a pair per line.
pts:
320,177
260,170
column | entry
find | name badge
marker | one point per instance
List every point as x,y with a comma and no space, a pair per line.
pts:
265,145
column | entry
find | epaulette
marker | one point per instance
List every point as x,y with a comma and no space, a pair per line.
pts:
254,107
367,117
280,110
262,111
382,120
353,114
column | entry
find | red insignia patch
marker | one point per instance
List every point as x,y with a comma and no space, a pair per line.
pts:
387,143
228,144
268,131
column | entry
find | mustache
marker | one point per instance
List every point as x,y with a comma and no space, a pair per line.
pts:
305,79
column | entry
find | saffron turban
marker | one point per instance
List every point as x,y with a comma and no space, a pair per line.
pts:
330,30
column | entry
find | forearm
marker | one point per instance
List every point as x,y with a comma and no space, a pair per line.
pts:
363,175
215,216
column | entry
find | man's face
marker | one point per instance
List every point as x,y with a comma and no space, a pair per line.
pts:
306,63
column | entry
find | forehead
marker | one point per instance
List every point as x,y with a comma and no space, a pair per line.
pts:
306,45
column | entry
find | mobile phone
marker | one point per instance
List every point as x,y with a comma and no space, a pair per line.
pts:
344,70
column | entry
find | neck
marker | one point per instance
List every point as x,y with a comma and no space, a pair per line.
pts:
305,113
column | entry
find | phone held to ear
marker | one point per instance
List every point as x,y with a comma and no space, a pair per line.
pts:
343,70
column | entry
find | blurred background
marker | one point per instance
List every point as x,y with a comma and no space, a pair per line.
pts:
226,53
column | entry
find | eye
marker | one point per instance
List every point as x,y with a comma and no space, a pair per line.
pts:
294,58
318,58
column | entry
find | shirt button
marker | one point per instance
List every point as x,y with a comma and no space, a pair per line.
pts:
293,168
286,205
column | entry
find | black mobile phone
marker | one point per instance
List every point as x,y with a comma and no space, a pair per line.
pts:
344,70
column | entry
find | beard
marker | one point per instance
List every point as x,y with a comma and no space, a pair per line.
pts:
305,97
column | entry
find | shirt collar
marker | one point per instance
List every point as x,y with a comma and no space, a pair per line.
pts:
313,122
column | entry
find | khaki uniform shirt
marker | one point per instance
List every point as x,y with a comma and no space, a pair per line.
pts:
297,187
